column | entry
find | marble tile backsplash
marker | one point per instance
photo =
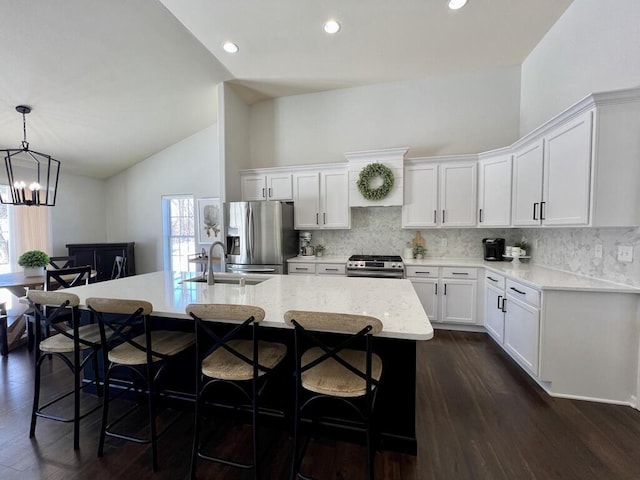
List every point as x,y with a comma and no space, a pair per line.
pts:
377,230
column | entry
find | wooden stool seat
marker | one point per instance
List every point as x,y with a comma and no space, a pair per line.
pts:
165,342
226,366
332,378
62,344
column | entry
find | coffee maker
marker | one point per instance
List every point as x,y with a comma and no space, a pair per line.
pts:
305,249
493,249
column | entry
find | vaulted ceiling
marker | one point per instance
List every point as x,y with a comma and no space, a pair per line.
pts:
112,82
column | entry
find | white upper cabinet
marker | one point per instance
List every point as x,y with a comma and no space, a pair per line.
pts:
420,195
494,190
527,184
439,194
321,199
581,168
267,186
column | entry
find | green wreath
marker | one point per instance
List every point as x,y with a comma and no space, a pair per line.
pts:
370,172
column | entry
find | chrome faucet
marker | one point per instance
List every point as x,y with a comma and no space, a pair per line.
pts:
210,262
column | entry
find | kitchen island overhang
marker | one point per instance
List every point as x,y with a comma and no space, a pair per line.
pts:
393,301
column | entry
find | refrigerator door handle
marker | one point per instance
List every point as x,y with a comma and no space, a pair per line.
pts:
250,233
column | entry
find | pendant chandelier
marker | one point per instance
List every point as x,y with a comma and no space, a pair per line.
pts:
32,176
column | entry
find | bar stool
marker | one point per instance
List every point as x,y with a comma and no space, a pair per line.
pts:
52,310
232,360
331,372
144,356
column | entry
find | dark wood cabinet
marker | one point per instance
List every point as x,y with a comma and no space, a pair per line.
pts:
102,257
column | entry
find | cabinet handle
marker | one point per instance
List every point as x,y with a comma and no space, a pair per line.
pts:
535,211
324,218
263,195
270,195
331,269
492,279
542,208
436,288
518,291
426,273
316,219
443,216
445,288
504,305
480,216
499,298
435,216
459,273
301,268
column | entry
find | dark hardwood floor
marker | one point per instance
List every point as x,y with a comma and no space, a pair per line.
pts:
479,417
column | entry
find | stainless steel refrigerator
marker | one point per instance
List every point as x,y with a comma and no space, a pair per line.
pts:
259,236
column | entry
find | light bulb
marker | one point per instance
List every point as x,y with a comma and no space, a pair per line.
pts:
331,27
457,4
230,47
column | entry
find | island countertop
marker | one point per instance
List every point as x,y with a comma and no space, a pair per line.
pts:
393,301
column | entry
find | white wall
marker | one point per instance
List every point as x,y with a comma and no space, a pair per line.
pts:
79,214
133,197
593,47
446,114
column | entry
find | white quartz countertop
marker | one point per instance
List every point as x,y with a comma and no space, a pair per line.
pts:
321,259
393,301
532,275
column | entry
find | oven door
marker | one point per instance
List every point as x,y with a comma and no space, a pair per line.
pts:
361,272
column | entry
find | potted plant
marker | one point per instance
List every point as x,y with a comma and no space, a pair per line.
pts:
320,250
33,262
419,251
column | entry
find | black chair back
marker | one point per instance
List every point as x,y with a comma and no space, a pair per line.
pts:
67,277
62,262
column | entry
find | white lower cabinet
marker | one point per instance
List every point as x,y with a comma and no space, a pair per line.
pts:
317,268
522,325
494,306
448,295
296,268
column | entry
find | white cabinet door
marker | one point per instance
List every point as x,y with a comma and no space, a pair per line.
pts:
493,313
458,194
458,301
334,199
527,184
253,187
494,191
279,186
567,173
522,333
306,198
420,196
427,291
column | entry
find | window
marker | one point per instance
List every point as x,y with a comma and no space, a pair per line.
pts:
5,261
179,232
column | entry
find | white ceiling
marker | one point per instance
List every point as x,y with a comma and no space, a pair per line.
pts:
112,82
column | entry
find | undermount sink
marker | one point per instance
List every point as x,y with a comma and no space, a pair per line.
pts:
227,281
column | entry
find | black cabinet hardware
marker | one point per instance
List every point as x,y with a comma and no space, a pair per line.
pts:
459,273
443,216
435,219
331,269
317,219
270,194
436,288
535,211
324,218
542,210
426,273
263,195
480,216
499,298
517,291
492,279
504,305
445,288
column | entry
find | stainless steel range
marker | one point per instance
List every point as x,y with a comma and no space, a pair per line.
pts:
380,266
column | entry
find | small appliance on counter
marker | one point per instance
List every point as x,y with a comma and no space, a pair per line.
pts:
305,250
493,249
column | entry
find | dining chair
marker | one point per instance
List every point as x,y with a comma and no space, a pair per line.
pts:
230,356
4,333
329,370
62,262
134,348
119,268
67,344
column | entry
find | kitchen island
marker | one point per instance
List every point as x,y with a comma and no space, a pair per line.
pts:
393,301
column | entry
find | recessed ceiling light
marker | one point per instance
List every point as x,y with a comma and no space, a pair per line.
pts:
331,26
230,47
457,4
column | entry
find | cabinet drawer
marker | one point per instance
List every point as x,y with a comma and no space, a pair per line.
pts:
455,272
523,293
308,268
422,272
331,269
495,279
